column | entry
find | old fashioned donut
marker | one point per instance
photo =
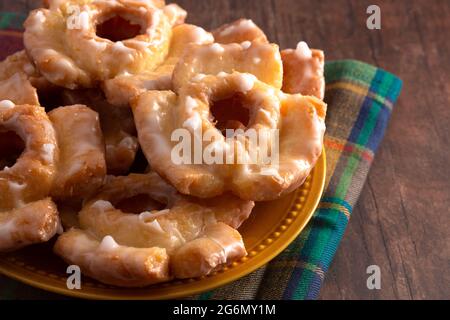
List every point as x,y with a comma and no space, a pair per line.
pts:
30,177
239,31
81,167
260,59
122,89
138,231
78,43
111,263
26,214
35,222
304,71
20,80
117,124
231,101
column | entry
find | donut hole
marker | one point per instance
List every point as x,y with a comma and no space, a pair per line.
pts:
230,113
11,147
119,28
140,164
51,98
140,203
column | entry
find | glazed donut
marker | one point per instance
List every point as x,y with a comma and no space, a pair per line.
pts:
82,167
110,263
119,132
117,124
304,71
19,80
26,214
30,177
231,101
35,222
239,31
170,236
120,90
104,39
18,89
260,59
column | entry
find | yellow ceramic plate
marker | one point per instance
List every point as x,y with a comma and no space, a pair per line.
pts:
270,229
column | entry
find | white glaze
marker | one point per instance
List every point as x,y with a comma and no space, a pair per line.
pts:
142,45
108,244
217,48
272,172
194,122
84,20
102,205
303,51
246,44
201,36
268,117
246,82
40,17
63,67
155,226
243,26
229,248
145,216
98,45
199,77
48,152
16,191
191,104
6,104
119,47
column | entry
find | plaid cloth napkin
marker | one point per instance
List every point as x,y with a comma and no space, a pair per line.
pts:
360,100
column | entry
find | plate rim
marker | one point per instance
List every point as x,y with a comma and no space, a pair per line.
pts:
317,188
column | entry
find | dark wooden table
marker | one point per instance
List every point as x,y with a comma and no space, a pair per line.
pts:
402,220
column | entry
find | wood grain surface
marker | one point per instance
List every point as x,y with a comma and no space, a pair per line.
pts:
402,220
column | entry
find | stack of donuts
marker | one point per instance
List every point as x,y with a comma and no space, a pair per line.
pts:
87,116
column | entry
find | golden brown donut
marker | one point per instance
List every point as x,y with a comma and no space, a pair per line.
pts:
260,59
78,43
304,71
239,31
31,176
143,225
119,131
26,214
219,244
298,120
122,89
111,263
35,222
82,166
20,80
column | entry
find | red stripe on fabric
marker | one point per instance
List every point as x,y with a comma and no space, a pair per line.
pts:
11,33
349,148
